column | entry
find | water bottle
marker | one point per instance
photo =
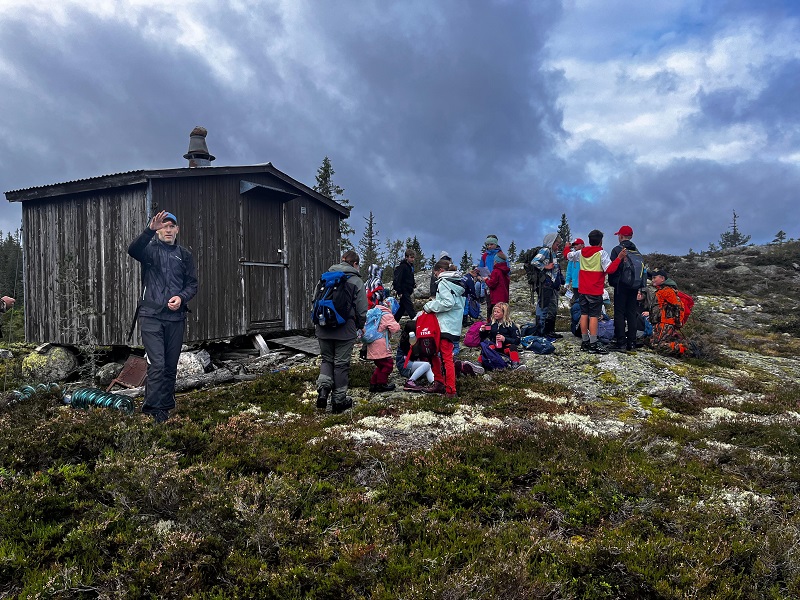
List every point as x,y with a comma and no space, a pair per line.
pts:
322,319
412,338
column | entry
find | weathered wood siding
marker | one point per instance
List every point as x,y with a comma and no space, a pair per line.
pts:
81,286
315,248
80,283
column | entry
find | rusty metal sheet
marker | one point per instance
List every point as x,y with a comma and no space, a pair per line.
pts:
133,373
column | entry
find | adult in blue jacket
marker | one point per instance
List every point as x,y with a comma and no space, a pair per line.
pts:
169,278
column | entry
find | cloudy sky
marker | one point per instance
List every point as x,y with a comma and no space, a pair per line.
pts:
448,119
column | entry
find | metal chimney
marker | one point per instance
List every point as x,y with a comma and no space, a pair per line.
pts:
198,155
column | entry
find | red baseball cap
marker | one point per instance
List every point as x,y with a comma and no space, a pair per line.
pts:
625,230
578,241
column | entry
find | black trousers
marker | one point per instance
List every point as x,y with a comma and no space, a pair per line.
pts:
626,312
162,341
406,307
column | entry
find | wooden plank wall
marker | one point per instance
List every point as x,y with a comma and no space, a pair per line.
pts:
313,248
80,283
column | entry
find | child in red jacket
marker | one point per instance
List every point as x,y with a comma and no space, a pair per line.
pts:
595,264
498,283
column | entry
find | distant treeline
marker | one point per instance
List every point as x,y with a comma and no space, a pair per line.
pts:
11,267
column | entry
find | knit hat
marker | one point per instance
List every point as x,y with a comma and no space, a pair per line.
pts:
491,240
445,254
625,230
578,241
661,272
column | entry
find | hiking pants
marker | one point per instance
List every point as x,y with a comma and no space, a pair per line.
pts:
548,302
383,368
162,341
626,311
334,372
406,307
448,375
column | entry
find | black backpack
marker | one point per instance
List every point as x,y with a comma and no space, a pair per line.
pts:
632,271
334,300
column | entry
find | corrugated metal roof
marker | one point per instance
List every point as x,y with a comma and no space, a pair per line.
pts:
142,176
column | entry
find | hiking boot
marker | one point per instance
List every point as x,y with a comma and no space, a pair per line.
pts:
620,345
340,407
471,368
322,397
437,387
631,347
585,346
412,386
518,366
373,387
384,387
598,348
553,335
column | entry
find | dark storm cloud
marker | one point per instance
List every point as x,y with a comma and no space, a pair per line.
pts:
689,203
442,118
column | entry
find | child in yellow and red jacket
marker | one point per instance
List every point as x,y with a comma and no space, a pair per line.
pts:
594,265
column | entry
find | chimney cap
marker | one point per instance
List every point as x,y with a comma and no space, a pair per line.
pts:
198,150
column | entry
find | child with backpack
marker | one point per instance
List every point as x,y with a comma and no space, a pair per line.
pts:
595,264
408,360
380,320
502,333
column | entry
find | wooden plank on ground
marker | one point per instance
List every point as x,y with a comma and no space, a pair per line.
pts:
309,345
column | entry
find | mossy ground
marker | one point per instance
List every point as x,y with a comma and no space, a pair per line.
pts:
246,492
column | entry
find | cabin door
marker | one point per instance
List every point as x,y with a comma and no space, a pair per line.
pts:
263,265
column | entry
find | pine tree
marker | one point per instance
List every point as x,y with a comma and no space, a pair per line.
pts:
395,252
466,261
327,187
433,260
734,237
780,237
369,246
512,252
563,230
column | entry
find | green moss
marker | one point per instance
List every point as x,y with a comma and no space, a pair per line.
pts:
607,377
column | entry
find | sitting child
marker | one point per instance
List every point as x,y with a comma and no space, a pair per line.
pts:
380,351
408,362
503,333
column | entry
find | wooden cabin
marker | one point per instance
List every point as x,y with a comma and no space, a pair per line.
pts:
259,237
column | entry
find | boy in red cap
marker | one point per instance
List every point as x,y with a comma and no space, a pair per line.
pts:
626,306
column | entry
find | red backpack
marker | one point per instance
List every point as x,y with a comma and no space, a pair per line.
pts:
428,334
687,302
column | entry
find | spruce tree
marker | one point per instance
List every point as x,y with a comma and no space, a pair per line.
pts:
369,246
466,262
512,252
734,237
563,230
780,237
327,187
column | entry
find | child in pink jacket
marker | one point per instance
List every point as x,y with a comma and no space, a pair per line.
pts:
380,352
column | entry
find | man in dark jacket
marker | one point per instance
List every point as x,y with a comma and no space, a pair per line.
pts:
170,280
626,306
336,344
403,284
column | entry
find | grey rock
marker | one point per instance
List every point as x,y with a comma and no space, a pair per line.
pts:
54,363
106,374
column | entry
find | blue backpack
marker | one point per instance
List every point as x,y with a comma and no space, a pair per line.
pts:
491,359
333,300
537,344
371,333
